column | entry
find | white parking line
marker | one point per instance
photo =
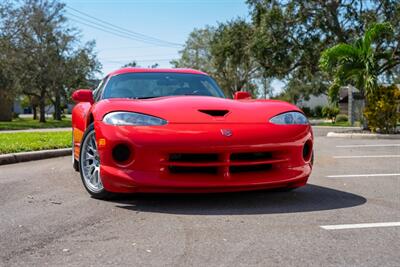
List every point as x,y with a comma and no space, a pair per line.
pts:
382,145
363,175
359,225
366,156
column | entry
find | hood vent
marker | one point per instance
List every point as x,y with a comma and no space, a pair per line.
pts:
214,112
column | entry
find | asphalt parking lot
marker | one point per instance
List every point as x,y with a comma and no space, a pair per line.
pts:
348,215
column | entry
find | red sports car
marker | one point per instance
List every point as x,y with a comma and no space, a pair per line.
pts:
173,130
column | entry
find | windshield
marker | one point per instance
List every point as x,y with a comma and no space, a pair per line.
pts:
150,85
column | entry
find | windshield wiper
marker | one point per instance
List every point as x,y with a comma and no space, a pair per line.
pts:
147,97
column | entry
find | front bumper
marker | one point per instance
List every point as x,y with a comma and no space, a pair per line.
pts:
231,166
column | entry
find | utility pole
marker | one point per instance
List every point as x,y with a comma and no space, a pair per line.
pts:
350,105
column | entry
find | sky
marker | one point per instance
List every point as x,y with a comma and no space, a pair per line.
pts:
168,20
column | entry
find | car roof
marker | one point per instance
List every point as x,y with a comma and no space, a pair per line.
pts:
155,70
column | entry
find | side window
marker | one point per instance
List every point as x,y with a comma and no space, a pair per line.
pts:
98,91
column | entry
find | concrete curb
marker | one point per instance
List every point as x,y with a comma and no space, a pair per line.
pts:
346,128
33,155
363,135
324,130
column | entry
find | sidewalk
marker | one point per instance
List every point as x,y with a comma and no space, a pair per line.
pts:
62,129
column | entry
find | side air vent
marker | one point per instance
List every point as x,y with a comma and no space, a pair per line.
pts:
214,112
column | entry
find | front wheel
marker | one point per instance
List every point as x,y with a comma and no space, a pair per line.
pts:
75,163
89,165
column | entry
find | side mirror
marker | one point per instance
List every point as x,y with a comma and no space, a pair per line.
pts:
241,95
83,95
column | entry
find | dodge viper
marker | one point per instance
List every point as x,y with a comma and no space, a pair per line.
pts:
174,130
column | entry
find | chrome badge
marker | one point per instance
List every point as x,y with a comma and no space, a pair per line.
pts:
226,132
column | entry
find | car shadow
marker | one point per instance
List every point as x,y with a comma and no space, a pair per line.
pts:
305,199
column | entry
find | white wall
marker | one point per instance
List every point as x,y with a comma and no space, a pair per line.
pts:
314,101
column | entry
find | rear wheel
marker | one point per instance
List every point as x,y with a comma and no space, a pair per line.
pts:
89,165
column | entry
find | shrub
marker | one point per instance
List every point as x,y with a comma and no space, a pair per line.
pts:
381,110
330,112
318,111
307,111
342,118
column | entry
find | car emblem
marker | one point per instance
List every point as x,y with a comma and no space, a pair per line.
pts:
226,132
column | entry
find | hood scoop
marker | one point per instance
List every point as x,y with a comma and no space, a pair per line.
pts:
214,112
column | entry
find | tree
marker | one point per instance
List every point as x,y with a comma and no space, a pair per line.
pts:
223,52
8,81
76,68
40,56
234,67
197,51
269,45
133,63
290,35
362,62
51,60
9,29
82,67
154,66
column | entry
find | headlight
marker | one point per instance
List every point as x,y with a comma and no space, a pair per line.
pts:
132,118
290,118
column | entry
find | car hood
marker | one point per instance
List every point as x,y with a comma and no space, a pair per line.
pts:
197,109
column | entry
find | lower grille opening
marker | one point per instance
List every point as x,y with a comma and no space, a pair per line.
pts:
250,156
249,168
186,157
187,169
307,149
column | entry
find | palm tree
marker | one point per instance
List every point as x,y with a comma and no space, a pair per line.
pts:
361,62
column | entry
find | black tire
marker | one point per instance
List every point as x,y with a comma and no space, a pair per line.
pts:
75,165
102,193
312,158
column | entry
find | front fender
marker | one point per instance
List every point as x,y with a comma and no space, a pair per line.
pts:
80,115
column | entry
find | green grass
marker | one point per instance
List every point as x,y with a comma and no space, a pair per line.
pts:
28,123
19,142
345,123
341,124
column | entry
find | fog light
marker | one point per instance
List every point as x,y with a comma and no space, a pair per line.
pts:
121,153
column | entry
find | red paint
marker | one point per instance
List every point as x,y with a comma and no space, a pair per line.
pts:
83,95
141,70
152,167
241,95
